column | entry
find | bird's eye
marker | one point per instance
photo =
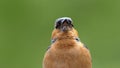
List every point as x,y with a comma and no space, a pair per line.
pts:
58,23
69,21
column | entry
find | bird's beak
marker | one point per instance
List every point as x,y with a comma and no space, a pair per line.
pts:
64,24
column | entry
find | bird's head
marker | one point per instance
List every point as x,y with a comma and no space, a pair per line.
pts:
64,24
63,28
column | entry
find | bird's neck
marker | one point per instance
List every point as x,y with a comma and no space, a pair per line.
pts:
65,40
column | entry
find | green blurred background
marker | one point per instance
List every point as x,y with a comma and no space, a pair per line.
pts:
26,26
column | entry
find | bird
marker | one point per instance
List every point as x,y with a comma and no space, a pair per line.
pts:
66,49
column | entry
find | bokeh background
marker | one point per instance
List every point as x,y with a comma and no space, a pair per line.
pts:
26,26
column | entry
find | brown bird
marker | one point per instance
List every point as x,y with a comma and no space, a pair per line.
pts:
66,50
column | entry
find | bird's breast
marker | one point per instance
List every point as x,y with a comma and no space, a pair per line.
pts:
75,57
65,44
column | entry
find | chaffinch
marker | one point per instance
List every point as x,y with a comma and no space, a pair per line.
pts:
66,50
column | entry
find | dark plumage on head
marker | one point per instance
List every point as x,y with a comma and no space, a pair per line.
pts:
64,23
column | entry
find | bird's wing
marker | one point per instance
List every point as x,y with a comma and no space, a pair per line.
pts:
86,46
49,47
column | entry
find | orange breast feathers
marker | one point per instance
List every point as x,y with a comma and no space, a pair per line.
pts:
66,50
65,38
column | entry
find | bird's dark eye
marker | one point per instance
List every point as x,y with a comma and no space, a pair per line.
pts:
58,23
69,21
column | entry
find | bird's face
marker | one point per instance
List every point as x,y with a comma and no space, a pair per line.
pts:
64,24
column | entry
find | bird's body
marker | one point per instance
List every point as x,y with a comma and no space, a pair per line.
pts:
67,51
